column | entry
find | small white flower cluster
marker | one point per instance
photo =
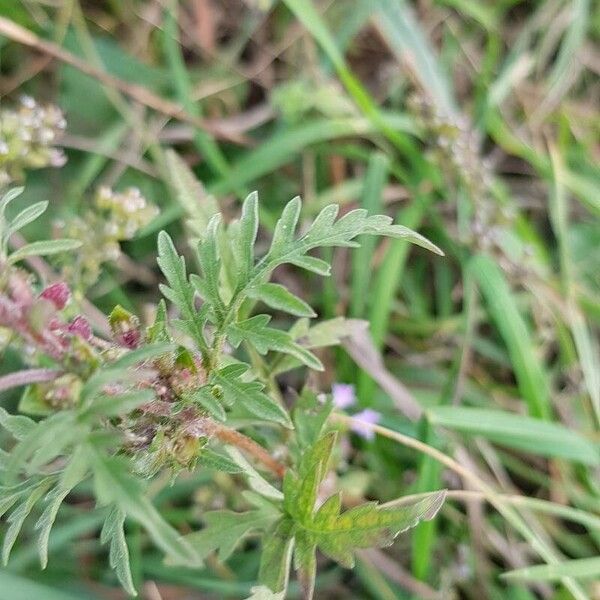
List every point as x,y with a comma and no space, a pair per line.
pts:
456,147
126,211
28,135
115,217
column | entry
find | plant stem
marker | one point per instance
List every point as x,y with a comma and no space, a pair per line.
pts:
26,377
235,438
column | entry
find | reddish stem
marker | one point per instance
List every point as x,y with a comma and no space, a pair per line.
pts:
235,438
28,376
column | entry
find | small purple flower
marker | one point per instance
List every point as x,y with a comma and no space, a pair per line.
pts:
362,420
80,326
57,293
343,395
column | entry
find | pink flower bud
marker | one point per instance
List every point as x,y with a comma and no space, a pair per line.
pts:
130,339
57,293
125,327
81,327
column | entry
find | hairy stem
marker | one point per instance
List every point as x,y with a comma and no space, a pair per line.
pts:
246,444
28,376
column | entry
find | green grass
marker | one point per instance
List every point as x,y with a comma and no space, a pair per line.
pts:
496,343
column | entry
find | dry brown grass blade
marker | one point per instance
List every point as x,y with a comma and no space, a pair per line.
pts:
367,357
134,91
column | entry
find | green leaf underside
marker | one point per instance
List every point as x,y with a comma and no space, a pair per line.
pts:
113,533
115,486
263,338
225,529
43,248
279,297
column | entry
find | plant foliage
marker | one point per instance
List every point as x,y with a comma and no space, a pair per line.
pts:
114,413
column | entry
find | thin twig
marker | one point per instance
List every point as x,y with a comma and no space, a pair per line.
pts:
26,377
136,92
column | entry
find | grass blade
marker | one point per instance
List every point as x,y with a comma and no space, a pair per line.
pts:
531,378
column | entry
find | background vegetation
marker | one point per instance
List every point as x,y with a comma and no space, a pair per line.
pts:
475,123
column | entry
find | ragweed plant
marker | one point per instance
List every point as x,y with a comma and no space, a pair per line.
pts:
194,389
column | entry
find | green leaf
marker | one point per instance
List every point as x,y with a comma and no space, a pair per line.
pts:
26,216
57,434
9,495
325,231
8,197
305,562
73,474
276,556
209,459
120,404
43,248
43,443
581,568
18,426
312,264
248,394
285,228
112,531
248,229
208,397
32,401
518,431
310,417
225,529
180,291
338,534
158,332
263,338
300,491
280,298
114,484
210,262
255,480
326,333
18,516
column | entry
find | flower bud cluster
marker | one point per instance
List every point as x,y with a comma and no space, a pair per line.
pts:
115,217
28,137
164,432
125,213
455,146
42,325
